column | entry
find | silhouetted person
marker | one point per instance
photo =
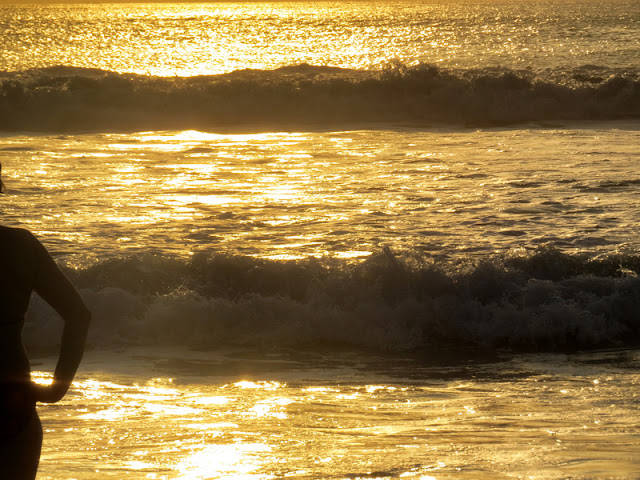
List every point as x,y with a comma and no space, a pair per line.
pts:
26,266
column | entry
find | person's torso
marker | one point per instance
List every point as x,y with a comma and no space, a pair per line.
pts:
16,285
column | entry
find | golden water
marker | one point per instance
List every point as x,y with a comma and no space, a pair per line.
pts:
235,415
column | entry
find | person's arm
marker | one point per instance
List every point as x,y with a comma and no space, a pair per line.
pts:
54,288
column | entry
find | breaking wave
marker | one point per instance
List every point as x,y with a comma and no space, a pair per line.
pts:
304,96
542,301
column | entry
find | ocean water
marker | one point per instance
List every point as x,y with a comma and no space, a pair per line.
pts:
334,240
242,415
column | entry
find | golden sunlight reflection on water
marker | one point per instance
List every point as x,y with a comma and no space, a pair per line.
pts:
337,194
163,430
235,460
187,40
344,424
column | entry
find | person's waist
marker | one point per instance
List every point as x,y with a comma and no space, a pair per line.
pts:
14,363
10,339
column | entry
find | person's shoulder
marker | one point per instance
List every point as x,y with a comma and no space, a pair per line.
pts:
21,245
15,239
16,232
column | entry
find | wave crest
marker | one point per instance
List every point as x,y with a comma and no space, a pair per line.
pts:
538,302
295,97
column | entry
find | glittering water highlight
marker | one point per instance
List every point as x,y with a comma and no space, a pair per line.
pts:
531,417
196,39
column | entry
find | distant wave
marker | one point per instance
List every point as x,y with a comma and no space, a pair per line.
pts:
543,301
303,96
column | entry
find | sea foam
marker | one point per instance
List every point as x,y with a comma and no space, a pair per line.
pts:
542,301
305,96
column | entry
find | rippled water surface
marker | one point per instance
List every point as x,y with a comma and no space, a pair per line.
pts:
291,195
239,416
193,39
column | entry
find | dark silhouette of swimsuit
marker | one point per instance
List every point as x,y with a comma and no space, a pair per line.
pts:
16,408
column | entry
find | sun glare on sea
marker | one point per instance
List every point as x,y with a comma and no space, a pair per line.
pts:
238,460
